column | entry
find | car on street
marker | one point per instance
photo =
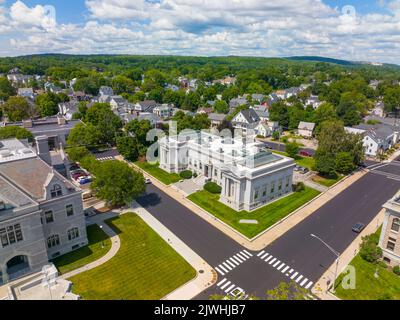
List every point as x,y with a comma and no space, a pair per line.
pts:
358,227
147,181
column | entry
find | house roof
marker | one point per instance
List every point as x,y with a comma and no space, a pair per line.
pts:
250,115
216,116
377,131
306,126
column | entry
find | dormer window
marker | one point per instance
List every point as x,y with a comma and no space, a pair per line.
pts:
56,191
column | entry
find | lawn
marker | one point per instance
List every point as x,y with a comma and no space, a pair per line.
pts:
327,182
266,216
99,244
156,172
144,268
306,162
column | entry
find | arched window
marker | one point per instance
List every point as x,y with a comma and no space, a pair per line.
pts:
53,241
396,224
56,191
73,233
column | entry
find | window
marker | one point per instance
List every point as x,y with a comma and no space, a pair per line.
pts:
390,245
53,241
256,195
56,191
396,224
10,235
273,187
287,181
70,210
48,215
264,192
73,233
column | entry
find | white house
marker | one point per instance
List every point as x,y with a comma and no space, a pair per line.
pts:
266,129
313,101
306,129
26,93
249,175
246,119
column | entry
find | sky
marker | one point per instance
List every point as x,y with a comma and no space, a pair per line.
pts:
355,30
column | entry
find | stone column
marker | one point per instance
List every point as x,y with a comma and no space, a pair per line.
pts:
4,274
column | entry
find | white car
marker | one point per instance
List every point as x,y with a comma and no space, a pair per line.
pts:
147,181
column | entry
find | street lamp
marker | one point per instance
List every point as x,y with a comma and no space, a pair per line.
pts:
337,254
102,242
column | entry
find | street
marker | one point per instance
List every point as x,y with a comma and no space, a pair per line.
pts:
295,255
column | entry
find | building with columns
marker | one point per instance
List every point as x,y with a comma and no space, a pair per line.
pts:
41,212
250,175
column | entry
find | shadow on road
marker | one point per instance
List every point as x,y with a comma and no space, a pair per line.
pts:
149,200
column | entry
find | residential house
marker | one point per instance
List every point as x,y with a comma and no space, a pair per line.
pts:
205,110
266,129
216,119
306,129
67,109
164,111
313,101
389,240
236,102
26,93
257,97
378,110
246,120
145,106
41,212
106,91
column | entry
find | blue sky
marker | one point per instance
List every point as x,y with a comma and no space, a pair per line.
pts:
204,27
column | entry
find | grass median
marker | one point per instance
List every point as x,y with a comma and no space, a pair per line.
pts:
155,171
144,268
266,216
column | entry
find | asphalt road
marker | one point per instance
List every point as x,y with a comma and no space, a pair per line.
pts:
296,249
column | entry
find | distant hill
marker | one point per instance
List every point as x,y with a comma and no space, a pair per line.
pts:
323,59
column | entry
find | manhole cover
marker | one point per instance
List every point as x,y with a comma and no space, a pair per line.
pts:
201,271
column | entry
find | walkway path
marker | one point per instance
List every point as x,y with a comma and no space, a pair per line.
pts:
115,245
316,186
268,236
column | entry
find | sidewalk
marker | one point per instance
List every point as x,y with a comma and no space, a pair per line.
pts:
206,276
268,236
321,287
115,245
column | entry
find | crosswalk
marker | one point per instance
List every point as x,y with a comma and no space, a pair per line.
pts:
233,262
105,158
232,289
376,169
285,269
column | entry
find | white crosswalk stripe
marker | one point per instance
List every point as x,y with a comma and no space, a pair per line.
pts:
231,264
222,273
294,275
227,266
239,258
285,268
309,285
221,282
248,253
240,254
229,288
264,255
260,253
270,257
234,261
276,263
223,269
225,285
272,261
299,278
303,282
280,267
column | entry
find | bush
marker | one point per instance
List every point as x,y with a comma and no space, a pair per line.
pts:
396,270
187,174
195,175
369,249
212,188
299,187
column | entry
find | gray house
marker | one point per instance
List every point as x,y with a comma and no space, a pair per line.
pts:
41,212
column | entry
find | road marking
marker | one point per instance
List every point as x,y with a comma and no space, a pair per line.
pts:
226,284
280,267
294,275
222,273
276,263
309,285
238,258
230,288
243,256
260,253
303,282
231,264
227,265
234,261
264,255
221,282
226,271
285,268
291,270
245,251
270,257
272,261
299,278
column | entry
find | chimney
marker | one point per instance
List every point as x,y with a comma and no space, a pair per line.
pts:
27,123
42,148
61,120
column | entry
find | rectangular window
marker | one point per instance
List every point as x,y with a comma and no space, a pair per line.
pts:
73,233
256,195
48,215
70,210
10,235
273,187
390,245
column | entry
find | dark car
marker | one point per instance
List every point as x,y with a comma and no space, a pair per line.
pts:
305,154
358,227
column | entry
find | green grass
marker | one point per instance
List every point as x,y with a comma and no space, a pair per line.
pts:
386,286
82,256
266,216
160,174
144,268
327,182
306,162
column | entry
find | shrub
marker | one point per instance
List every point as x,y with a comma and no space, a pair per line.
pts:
299,187
369,249
187,174
396,270
212,188
195,175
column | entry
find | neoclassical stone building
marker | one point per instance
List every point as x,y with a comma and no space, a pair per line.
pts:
250,175
41,213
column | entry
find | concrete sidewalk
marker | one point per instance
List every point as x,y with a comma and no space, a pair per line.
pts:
205,277
268,236
321,287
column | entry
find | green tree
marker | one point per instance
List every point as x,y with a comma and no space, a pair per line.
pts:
369,248
391,99
15,132
139,129
6,89
128,147
121,84
279,112
288,291
76,154
292,149
48,104
325,164
117,183
17,109
344,162
221,106
88,136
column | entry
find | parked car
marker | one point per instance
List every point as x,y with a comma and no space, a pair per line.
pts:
304,170
78,175
305,154
358,227
147,181
84,180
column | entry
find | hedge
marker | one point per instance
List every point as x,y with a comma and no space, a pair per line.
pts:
187,174
212,187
